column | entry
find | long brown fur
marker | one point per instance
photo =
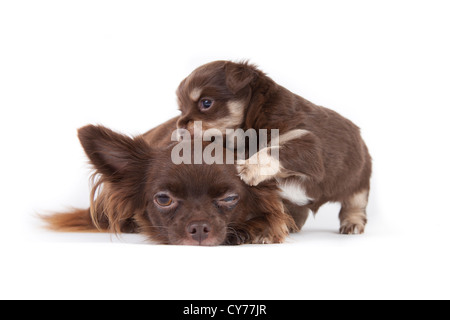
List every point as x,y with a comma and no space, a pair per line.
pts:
120,191
77,220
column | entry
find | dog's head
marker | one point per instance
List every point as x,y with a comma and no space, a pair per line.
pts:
217,94
174,204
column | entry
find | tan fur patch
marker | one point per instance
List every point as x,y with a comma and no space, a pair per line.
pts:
236,109
258,168
353,213
195,94
291,135
359,200
262,166
234,120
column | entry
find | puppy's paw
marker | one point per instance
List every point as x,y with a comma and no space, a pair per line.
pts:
351,228
353,219
250,174
258,168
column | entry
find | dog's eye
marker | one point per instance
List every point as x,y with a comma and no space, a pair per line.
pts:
163,200
205,104
230,201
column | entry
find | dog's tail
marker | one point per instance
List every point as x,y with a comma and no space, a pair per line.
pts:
109,212
77,220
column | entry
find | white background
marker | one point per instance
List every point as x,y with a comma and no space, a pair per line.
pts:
383,64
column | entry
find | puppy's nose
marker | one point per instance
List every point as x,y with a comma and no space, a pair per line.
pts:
183,122
199,230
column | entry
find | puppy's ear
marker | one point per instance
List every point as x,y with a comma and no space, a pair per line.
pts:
112,154
238,76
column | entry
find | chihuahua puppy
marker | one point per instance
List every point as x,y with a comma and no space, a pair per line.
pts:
138,188
322,156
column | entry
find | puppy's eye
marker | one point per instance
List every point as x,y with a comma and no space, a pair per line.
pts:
163,200
205,104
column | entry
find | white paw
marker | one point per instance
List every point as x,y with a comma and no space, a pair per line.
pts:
352,228
258,168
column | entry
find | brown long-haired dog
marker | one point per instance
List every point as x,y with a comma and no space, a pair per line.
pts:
322,156
138,188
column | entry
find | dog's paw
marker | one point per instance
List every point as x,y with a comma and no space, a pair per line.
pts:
267,240
237,237
352,228
258,168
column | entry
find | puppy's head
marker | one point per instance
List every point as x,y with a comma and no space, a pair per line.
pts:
216,94
183,204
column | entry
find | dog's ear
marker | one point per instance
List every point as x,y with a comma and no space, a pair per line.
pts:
112,154
238,76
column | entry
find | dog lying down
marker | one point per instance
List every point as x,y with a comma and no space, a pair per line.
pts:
138,189
319,157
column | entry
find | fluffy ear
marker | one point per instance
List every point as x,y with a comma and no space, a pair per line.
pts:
238,75
112,154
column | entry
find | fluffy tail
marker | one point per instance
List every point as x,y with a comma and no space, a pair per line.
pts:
77,220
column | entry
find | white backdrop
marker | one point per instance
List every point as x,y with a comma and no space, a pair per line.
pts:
384,64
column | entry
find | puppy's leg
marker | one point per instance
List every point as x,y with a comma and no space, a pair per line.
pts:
353,213
259,167
299,154
298,213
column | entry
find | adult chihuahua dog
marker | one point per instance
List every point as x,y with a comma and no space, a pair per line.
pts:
322,156
138,188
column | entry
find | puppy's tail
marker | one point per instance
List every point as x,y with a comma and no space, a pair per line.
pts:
77,220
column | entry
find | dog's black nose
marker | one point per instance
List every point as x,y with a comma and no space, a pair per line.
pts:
199,230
